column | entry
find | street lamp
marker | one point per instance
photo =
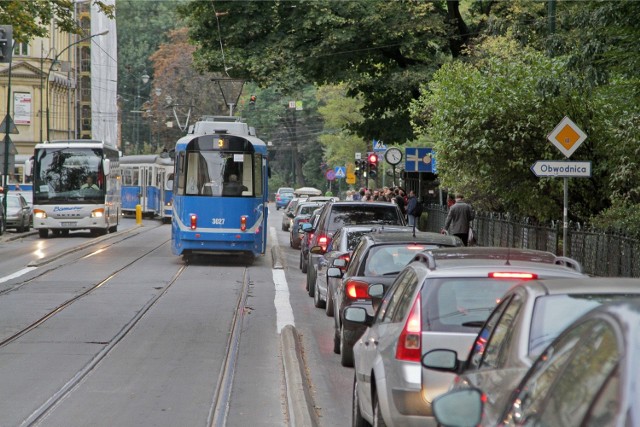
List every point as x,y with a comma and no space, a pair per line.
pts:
55,60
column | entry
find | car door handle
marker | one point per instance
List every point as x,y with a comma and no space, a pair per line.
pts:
372,341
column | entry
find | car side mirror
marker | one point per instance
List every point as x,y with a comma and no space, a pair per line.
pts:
441,360
334,272
461,408
376,290
339,262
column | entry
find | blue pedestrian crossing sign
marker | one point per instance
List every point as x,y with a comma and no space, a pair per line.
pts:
420,160
341,171
378,146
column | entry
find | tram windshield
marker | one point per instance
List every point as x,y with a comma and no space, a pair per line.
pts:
216,173
68,175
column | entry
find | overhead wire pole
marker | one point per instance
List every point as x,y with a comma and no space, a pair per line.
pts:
7,55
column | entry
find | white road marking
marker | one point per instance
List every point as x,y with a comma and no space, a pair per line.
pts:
17,274
284,312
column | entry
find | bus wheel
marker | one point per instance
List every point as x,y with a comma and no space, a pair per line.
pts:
43,233
113,229
65,233
55,232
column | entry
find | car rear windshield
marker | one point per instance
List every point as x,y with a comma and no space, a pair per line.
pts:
358,214
307,209
553,313
460,304
388,260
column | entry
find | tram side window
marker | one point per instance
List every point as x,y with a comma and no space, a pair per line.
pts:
257,172
179,175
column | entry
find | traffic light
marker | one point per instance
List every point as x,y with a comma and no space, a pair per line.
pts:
6,43
252,100
372,158
359,168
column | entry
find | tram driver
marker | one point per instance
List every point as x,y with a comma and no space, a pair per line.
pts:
233,187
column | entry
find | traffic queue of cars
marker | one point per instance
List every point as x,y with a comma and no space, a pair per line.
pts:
440,334
19,213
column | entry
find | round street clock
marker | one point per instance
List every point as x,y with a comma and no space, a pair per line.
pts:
393,156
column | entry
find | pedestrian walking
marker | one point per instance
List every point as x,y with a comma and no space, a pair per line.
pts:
411,208
459,218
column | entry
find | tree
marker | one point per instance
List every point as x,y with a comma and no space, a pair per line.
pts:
381,50
142,27
181,88
33,18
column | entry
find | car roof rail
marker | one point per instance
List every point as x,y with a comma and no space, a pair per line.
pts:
426,257
569,262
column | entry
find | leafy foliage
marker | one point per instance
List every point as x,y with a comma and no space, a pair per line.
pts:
33,18
380,50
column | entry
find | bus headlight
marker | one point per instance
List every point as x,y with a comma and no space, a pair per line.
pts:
39,214
97,213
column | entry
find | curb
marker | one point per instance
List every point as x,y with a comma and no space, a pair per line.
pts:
299,400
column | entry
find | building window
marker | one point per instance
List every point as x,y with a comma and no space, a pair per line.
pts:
21,49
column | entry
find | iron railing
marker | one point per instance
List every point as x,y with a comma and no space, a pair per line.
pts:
601,253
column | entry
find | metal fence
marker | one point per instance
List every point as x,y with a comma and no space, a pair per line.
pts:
600,253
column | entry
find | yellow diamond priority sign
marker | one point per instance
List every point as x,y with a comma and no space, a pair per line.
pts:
567,137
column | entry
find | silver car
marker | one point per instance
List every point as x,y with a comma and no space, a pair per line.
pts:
527,319
440,300
19,213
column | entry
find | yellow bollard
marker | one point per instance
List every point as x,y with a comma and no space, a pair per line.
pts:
138,214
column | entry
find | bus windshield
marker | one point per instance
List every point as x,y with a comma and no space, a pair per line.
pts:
68,175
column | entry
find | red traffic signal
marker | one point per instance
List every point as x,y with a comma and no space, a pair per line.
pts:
373,159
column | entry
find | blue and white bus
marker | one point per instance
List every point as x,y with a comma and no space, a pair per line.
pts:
220,190
147,181
76,186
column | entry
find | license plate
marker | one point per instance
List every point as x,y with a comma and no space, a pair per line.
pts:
68,224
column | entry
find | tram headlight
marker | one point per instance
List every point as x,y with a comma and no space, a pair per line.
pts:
194,221
97,213
39,214
243,223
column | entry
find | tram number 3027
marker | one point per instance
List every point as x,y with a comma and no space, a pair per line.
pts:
217,221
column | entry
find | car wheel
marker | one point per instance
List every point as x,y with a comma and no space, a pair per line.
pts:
43,233
303,265
300,261
346,350
328,305
311,284
356,415
378,421
336,341
316,297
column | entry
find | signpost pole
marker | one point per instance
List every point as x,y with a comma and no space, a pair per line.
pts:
565,217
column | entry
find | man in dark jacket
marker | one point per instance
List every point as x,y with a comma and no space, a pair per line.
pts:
458,219
411,206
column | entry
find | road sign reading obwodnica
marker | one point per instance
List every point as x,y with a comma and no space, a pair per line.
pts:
561,169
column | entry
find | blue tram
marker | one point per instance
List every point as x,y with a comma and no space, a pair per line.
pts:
220,190
147,181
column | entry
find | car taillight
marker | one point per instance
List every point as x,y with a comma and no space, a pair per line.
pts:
278,198
409,344
357,289
513,275
194,221
243,223
415,248
323,242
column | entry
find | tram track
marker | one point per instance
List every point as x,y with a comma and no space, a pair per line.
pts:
40,263
220,391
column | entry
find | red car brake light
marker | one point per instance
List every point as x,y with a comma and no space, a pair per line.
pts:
356,289
323,241
409,347
513,275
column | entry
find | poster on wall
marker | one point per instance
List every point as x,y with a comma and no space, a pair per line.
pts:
22,108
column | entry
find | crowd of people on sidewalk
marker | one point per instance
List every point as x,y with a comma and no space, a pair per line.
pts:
458,220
